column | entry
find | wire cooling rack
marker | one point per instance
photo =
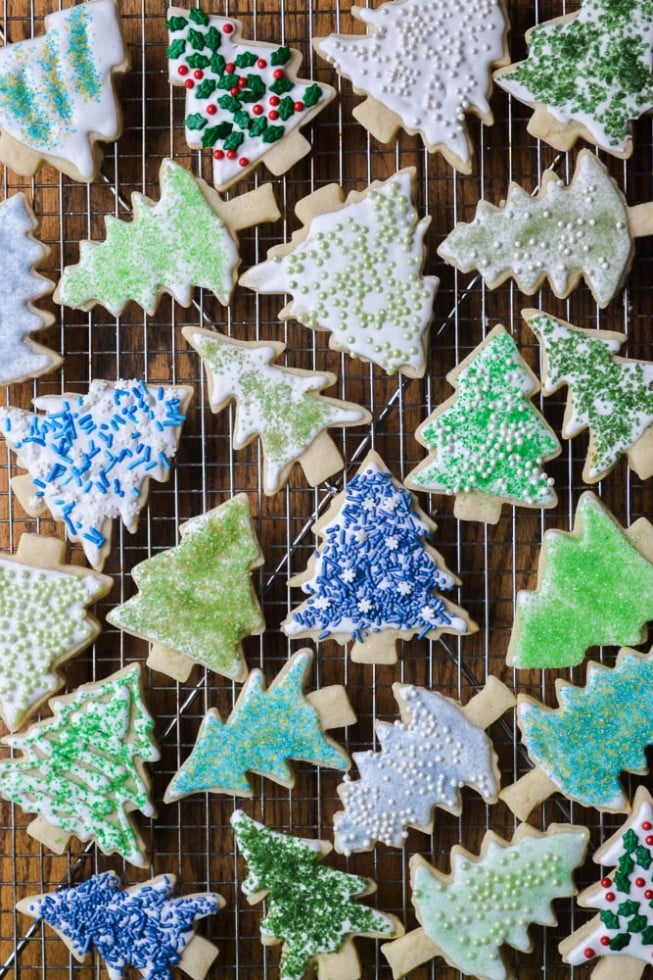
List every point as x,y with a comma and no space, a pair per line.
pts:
191,839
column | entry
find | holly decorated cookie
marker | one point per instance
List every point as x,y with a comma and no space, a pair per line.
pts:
375,578
488,901
90,458
145,926
588,75
487,443
43,608
283,406
82,770
356,268
424,759
187,239
57,99
244,101
560,235
423,65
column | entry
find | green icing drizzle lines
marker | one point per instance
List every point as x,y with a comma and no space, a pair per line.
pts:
597,732
264,731
594,70
489,438
309,906
197,599
492,900
171,246
594,588
614,397
80,769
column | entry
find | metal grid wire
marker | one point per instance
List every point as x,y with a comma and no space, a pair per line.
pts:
192,838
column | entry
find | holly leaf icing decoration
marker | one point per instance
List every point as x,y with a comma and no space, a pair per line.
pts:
283,406
170,246
407,63
588,727
358,273
422,763
145,926
594,587
56,91
590,70
266,729
91,457
310,906
82,769
560,234
197,599
610,395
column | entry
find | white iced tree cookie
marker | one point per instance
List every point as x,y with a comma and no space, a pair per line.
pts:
356,269
424,64
56,91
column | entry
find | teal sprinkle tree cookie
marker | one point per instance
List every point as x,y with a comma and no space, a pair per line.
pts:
266,729
196,602
610,395
595,587
310,907
487,443
244,102
283,406
183,240
488,901
587,75
82,770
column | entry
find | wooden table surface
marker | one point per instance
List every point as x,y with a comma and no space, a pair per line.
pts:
192,839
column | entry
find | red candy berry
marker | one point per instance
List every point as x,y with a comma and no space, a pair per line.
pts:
588,953
218,154
183,69
243,162
230,68
606,882
211,109
640,882
257,110
648,893
189,83
609,896
299,107
242,83
649,840
647,825
605,940
198,73
261,63
278,73
231,154
234,90
273,114
274,100
227,28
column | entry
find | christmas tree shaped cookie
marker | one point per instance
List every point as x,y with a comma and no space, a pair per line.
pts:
283,406
587,75
21,284
355,268
610,395
266,729
623,929
437,747
187,239
594,587
310,907
56,92
161,927
195,602
581,747
90,458
82,770
487,442
244,101
423,65
488,901
374,578
561,234
43,609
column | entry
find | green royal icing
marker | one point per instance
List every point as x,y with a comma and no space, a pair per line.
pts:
492,901
309,905
173,245
594,70
490,440
197,599
561,233
614,398
265,729
280,405
42,618
597,732
594,588
80,769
